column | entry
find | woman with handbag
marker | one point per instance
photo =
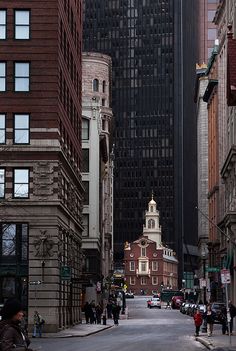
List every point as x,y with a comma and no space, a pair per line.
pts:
12,337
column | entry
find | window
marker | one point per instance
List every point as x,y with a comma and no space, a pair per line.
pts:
2,76
85,160
154,280
22,24
211,34
9,240
132,280
154,265
143,280
21,129
22,76
95,85
2,183
132,266
85,225
143,266
211,15
103,102
143,251
3,24
104,86
86,192
2,128
151,223
85,129
21,183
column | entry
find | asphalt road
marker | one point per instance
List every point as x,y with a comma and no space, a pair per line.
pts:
145,330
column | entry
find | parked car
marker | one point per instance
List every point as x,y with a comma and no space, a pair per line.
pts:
129,295
185,308
176,302
216,308
200,307
155,302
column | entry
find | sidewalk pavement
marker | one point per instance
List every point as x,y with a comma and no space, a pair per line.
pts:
80,330
217,340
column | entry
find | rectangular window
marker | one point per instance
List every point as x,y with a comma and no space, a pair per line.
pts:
85,129
132,280
22,24
154,280
86,192
143,280
154,266
2,76
21,129
85,160
143,266
2,128
2,183
85,225
21,183
132,266
22,76
3,24
8,240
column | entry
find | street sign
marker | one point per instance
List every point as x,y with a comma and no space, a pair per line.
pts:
202,283
213,269
225,276
65,273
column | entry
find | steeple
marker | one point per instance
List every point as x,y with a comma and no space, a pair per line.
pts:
152,228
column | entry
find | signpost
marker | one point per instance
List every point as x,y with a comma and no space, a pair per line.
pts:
225,279
65,273
213,269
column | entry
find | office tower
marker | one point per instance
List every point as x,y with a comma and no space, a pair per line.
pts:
41,186
153,70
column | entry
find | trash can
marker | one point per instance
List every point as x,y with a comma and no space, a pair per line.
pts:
104,320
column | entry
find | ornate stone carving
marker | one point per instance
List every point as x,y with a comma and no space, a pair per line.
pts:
44,245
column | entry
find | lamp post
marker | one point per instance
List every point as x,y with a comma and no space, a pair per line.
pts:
204,252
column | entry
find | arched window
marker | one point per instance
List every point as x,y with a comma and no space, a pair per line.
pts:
85,129
95,85
151,223
151,208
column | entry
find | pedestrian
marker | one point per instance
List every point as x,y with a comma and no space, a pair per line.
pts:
232,311
92,317
168,305
223,320
98,314
87,312
12,337
116,313
197,321
38,325
210,317
109,309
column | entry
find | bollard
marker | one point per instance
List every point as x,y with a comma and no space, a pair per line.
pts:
104,320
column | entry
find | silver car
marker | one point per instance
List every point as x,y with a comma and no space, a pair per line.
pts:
155,302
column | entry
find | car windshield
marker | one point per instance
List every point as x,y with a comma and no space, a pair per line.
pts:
155,299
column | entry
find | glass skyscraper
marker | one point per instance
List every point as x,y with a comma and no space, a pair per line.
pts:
145,39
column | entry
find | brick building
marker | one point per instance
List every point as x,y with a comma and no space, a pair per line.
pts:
41,187
149,264
97,171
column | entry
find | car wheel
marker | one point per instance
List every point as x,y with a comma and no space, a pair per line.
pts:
160,307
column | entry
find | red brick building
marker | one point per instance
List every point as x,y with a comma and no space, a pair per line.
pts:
41,159
150,265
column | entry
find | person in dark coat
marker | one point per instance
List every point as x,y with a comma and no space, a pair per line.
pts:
210,318
12,336
223,320
116,313
232,311
98,313
87,311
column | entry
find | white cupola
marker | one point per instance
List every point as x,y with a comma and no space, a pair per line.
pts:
152,228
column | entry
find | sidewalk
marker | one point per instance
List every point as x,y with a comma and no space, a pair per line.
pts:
217,340
80,330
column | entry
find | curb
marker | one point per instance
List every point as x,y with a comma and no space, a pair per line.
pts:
76,335
206,343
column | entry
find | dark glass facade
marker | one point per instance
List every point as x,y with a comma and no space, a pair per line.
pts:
143,39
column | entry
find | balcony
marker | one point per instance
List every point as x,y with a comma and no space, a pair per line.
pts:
141,273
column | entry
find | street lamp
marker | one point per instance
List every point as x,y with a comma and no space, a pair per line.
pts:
204,252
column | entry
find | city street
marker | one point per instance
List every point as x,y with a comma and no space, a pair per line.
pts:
144,330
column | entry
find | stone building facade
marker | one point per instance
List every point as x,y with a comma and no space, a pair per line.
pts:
149,265
41,186
97,170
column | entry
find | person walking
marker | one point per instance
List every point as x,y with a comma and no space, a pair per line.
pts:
232,311
12,336
98,314
87,312
210,317
223,320
197,321
109,309
38,325
116,313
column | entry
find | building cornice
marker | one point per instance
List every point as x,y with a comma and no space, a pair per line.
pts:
228,164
